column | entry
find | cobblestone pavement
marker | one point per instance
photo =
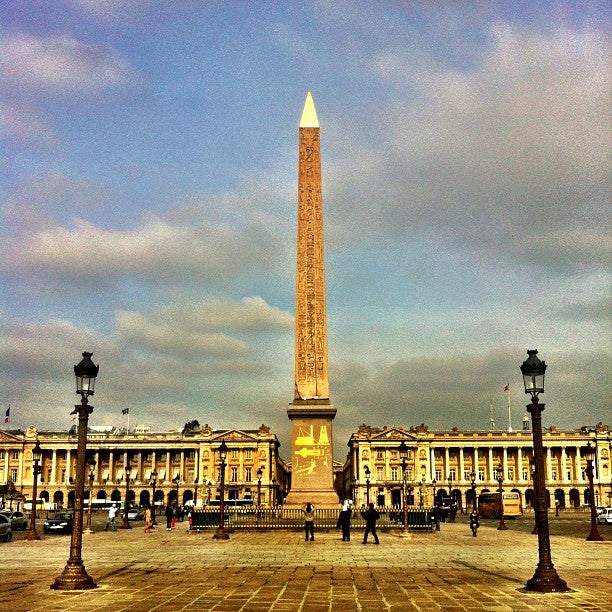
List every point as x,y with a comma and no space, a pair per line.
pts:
260,571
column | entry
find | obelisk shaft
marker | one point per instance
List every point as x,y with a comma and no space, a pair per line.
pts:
311,375
311,413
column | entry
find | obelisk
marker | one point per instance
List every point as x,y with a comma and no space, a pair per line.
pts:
311,413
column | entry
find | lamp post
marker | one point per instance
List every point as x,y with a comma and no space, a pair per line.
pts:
422,491
433,484
208,492
535,496
153,485
259,475
473,479
367,475
176,480
500,479
221,534
545,579
126,505
31,534
195,492
403,452
273,493
594,535
74,577
451,516
92,467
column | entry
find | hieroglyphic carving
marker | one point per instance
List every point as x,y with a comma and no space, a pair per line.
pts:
311,373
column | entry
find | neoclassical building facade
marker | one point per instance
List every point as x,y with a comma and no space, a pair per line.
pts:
455,463
439,464
186,464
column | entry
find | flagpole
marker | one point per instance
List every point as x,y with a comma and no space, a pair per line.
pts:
507,390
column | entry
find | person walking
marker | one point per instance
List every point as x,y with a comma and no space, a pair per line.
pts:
169,514
112,514
148,520
371,515
474,524
309,521
344,521
435,515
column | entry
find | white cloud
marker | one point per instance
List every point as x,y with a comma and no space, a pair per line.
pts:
26,126
61,63
492,159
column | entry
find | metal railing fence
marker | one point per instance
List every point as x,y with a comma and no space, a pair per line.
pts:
293,518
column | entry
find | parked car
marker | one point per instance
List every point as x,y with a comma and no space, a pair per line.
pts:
6,533
136,515
60,522
18,519
605,517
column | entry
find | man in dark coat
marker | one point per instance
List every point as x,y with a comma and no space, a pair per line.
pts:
344,521
371,515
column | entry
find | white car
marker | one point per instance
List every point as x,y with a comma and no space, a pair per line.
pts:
605,517
6,533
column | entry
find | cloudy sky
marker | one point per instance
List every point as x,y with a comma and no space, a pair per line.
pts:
149,201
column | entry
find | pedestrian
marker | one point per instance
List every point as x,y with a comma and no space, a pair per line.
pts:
435,515
112,514
344,521
169,513
148,520
309,521
474,524
371,515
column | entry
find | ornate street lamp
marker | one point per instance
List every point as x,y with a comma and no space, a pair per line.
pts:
473,479
422,491
545,578
274,496
176,480
195,492
451,516
259,475
74,577
433,484
589,453
126,505
499,473
535,496
92,467
153,485
220,533
209,484
403,453
31,534
367,475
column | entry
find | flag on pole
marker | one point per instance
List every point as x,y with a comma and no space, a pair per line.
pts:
125,411
7,415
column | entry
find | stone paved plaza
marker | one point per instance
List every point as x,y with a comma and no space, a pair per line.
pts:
257,571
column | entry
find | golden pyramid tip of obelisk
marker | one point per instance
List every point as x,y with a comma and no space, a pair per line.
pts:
309,114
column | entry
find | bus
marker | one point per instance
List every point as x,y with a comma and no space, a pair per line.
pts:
489,505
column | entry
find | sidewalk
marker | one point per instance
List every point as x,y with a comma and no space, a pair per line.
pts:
260,571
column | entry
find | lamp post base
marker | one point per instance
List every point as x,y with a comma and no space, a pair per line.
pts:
88,530
221,534
31,536
546,580
74,578
594,536
404,533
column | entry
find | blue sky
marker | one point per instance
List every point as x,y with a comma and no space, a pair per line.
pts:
148,198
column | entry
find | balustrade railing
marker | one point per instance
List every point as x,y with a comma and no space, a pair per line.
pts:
253,517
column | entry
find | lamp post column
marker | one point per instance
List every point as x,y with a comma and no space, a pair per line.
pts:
500,480
74,576
473,477
367,475
31,534
545,578
594,535
153,485
92,466
220,533
126,505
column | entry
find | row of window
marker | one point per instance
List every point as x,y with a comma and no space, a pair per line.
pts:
467,476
